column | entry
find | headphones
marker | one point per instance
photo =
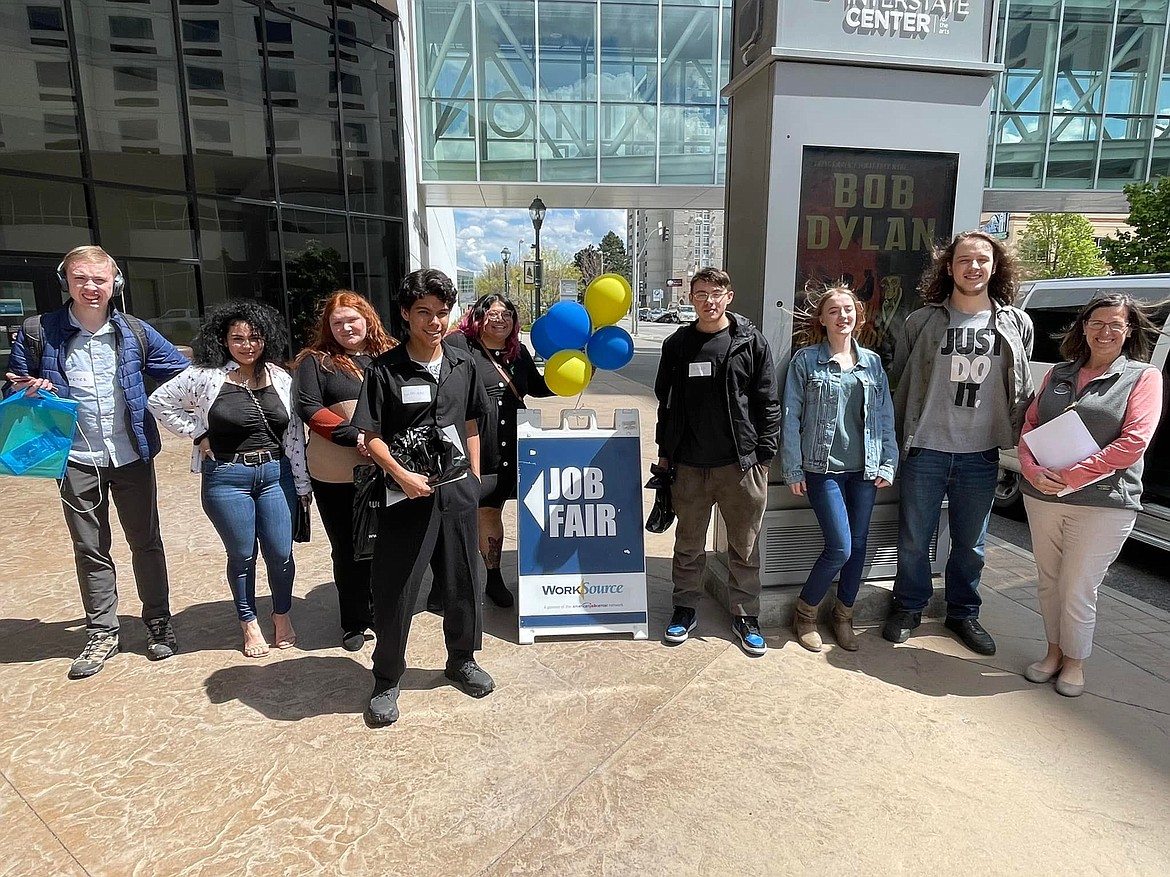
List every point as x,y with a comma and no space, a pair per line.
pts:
119,280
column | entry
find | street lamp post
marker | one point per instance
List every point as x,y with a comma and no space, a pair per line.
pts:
505,254
536,211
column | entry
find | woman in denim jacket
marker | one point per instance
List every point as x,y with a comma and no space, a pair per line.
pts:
837,446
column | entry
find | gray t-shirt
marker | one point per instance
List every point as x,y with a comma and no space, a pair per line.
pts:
967,394
847,453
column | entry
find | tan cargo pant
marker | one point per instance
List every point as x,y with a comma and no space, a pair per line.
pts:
741,497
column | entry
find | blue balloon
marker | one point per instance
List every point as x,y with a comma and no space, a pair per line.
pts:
610,348
566,327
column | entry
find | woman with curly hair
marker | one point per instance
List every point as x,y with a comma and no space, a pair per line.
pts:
327,379
235,404
490,332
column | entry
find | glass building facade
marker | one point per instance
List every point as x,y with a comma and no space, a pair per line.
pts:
573,91
1084,102
216,148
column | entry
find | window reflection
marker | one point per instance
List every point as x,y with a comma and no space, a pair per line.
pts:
377,254
38,216
165,295
144,224
371,136
241,258
568,51
506,35
316,256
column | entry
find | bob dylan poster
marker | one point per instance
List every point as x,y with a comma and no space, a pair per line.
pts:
870,217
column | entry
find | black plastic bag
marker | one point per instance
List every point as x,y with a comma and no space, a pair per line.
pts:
368,497
662,512
428,451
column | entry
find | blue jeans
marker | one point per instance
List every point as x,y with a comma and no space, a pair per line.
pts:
249,505
843,503
968,482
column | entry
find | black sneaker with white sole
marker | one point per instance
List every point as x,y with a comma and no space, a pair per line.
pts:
682,622
160,639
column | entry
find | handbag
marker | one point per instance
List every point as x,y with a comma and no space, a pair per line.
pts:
302,527
369,495
662,512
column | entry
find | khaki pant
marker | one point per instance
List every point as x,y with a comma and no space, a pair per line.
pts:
741,497
1073,546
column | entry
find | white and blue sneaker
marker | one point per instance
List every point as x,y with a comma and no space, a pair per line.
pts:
682,622
747,628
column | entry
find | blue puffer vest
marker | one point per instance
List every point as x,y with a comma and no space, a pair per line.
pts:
161,360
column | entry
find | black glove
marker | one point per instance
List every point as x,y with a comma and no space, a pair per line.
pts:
662,513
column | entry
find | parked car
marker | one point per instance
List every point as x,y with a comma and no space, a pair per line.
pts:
668,316
686,314
1053,305
655,315
643,313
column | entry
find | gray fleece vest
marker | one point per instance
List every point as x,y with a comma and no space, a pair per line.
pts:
1101,405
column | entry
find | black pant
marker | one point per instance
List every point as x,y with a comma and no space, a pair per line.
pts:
412,535
352,577
133,490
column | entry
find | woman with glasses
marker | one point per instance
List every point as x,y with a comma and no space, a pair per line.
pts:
235,404
1081,515
838,448
490,331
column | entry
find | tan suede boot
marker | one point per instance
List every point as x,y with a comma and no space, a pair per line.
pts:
843,626
804,625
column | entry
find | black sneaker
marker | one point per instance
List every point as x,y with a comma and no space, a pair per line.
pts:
747,629
101,647
383,708
469,677
353,640
898,626
972,634
682,622
160,639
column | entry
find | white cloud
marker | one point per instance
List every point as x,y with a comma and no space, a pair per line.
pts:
482,234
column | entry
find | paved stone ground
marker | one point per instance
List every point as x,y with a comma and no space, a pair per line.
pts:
594,756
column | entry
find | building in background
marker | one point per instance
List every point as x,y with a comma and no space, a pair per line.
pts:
671,246
218,149
465,283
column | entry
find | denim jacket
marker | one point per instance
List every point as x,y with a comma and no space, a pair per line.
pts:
812,394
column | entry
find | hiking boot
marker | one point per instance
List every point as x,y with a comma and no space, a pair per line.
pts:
682,622
468,676
160,639
747,628
101,646
383,708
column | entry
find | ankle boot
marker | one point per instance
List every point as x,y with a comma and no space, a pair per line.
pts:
804,625
496,590
843,626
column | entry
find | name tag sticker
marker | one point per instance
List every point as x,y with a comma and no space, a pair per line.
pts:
416,395
699,370
81,380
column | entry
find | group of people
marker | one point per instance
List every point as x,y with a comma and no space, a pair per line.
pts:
963,392
266,440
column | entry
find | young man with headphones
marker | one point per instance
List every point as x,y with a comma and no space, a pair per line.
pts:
88,351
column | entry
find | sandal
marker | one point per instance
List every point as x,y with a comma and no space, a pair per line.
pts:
255,645
287,641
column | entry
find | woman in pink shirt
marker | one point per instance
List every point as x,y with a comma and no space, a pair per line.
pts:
1081,515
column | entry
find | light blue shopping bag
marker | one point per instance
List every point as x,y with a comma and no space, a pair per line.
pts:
36,433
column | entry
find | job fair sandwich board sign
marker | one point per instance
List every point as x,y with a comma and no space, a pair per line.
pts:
581,554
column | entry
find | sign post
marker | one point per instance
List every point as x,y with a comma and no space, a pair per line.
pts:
581,552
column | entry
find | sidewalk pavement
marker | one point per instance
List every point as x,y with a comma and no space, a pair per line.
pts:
594,756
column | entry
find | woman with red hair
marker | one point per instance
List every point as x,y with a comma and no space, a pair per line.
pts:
328,378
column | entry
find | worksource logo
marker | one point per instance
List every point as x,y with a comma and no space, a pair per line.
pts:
913,19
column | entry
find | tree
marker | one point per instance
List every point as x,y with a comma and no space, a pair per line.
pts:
616,260
1059,245
313,274
589,262
1146,249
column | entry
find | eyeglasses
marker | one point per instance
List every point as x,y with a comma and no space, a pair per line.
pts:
240,341
1098,325
704,297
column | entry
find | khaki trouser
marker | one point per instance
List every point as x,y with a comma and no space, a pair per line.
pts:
741,497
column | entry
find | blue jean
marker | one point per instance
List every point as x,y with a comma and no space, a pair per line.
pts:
250,505
843,504
968,482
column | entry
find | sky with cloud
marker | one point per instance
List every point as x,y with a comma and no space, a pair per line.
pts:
481,234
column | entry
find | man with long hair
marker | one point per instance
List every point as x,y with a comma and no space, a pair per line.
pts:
963,385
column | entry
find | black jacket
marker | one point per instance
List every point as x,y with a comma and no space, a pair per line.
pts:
753,400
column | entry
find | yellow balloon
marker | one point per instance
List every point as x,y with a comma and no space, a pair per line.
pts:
568,372
608,299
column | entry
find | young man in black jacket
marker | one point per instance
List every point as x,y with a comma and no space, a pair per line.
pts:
718,423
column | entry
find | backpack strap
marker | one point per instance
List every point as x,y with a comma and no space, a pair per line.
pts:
34,344
139,333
